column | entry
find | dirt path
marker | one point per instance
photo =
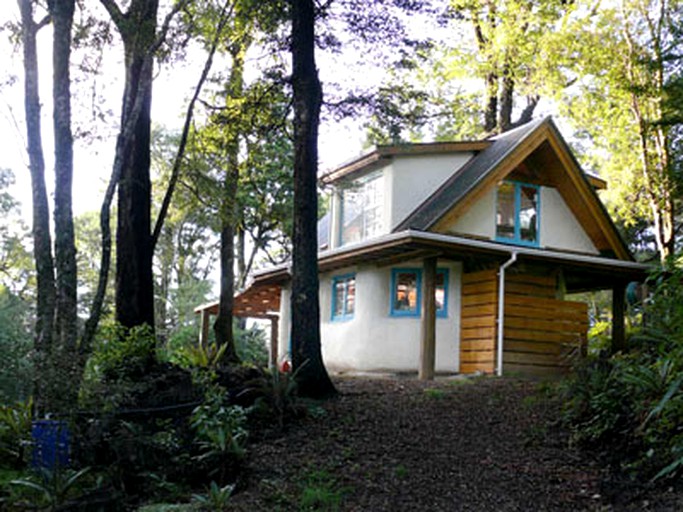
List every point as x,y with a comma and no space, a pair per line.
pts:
403,445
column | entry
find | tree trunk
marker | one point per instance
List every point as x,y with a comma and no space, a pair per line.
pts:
491,110
223,326
306,352
42,241
66,324
134,279
506,100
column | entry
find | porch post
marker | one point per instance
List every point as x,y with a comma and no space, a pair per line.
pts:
204,331
618,314
274,341
428,338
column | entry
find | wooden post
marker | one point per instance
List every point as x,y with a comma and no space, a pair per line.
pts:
618,317
428,341
274,341
204,332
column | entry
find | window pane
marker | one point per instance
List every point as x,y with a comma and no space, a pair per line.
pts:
362,207
440,291
338,298
350,295
505,213
528,215
352,216
405,298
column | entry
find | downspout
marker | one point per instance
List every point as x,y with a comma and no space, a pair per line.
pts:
501,310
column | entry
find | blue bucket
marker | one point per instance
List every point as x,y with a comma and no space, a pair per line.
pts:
50,444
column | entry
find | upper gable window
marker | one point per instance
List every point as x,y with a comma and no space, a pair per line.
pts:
362,208
517,213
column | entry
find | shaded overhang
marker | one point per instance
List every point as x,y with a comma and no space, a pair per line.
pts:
259,300
583,272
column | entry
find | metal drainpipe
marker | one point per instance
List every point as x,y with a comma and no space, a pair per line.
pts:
501,310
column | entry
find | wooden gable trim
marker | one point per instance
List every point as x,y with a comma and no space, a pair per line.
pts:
583,203
503,168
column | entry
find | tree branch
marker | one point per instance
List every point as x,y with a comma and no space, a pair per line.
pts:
175,173
114,12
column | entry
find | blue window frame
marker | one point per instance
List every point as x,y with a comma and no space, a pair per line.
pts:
343,297
406,292
518,213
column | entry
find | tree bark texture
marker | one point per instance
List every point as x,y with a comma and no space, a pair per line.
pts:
134,279
65,248
306,351
223,327
42,241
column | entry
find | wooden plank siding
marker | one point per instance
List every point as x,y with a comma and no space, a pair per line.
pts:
478,322
541,335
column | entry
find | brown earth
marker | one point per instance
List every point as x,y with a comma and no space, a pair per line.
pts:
449,445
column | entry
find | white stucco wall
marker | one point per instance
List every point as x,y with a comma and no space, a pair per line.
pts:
479,219
415,178
373,340
559,227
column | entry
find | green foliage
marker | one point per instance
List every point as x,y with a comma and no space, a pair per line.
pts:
251,345
321,492
631,405
220,433
120,358
16,365
217,498
275,396
15,432
435,393
53,487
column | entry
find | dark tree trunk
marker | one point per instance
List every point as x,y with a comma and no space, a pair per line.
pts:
66,322
506,99
223,326
306,352
491,110
42,242
134,279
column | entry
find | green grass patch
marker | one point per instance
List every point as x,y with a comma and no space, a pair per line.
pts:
321,492
437,394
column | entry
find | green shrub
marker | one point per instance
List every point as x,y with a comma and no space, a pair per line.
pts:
631,405
15,433
120,360
16,348
220,434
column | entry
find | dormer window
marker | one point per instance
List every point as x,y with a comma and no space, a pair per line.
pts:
362,208
517,213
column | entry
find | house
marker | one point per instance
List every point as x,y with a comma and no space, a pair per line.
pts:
439,257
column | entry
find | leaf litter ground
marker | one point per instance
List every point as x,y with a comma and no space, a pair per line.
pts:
398,444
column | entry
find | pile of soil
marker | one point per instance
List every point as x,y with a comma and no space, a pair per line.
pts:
452,444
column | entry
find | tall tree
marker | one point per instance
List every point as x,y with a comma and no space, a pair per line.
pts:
42,240
306,351
137,27
509,37
142,37
628,107
62,12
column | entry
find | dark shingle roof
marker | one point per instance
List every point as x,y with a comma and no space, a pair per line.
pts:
463,181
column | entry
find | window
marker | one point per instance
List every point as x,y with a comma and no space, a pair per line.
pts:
517,213
406,292
362,208
343,297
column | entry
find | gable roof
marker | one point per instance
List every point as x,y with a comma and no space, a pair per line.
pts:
542,141
377,156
